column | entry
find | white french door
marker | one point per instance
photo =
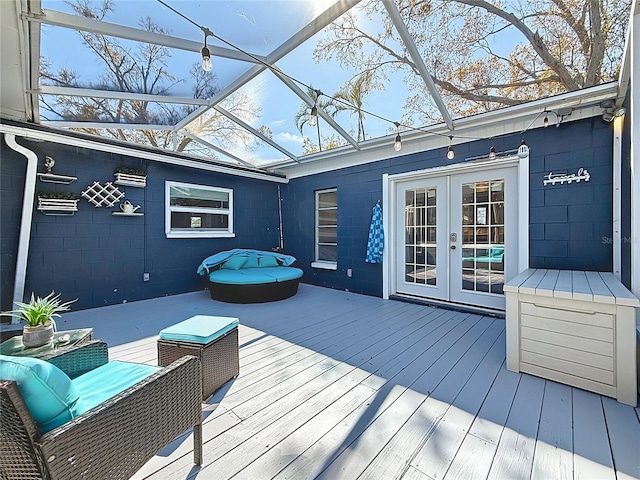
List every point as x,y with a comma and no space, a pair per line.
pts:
457,236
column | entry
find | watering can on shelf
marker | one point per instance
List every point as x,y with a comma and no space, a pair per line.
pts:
128,207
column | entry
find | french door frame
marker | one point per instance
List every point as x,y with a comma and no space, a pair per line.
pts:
390,210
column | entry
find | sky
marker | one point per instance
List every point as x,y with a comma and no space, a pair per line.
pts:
258,27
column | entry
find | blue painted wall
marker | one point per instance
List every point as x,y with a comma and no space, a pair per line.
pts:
570,224
100,258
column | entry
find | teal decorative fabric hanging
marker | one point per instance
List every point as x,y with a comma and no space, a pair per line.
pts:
375,245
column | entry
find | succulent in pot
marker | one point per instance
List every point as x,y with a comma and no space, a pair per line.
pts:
39,315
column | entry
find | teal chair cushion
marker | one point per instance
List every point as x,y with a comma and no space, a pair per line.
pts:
107,381
234,263
48,392
201,329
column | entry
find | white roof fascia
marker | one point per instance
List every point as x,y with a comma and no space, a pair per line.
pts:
64,139
255,132
508,121
93,93
409,44
210,145
76,22
100,125
309,101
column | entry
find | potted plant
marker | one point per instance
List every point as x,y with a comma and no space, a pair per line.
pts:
130,176
39,315
58,203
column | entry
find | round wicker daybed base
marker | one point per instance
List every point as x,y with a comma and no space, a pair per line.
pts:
253,293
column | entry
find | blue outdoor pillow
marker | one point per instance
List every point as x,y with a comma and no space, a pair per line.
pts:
268,262
234,263
47,391
252,262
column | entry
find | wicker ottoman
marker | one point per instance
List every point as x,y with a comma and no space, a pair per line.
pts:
214,340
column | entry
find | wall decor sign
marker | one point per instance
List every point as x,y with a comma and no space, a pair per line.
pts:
562,178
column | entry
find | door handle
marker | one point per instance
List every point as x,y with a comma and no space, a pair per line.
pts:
452,247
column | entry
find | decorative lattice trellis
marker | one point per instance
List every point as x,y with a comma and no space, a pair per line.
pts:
102,195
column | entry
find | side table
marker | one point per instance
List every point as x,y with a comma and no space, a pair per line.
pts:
16,348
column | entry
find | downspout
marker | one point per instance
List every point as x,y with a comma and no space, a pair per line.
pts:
617,197
25,222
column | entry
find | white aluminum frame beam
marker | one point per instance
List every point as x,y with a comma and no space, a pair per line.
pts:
309,101
255,132
93,93
100,125
308,31
396,18
210,145
76,22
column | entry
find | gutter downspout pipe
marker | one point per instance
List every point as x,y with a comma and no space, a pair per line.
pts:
25,222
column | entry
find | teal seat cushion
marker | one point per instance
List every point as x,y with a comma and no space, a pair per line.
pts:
255,276
107,381
234,263
201,329
47,391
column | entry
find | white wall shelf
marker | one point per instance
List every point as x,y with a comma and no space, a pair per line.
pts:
57,206
133,214
129,180
53,178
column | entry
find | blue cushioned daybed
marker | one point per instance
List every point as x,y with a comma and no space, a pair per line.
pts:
250,276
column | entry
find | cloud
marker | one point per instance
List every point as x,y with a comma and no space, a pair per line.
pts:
288,137
277,123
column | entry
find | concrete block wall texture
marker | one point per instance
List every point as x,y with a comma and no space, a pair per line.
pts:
569,224
100,258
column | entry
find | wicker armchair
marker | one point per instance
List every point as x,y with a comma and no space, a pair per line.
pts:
113,440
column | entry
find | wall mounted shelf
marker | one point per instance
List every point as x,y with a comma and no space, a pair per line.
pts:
123,214
53,178
57,206
130,180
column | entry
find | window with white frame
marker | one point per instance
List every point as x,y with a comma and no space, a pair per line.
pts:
326,229
198,211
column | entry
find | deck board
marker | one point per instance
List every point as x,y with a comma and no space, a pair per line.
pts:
341,386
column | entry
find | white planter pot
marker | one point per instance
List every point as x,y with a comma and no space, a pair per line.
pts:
37,336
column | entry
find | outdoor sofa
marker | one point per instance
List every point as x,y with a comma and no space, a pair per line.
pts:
250,276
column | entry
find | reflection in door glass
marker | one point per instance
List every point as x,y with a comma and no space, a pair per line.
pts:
483,236
420,236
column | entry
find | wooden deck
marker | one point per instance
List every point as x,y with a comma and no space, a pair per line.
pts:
336,385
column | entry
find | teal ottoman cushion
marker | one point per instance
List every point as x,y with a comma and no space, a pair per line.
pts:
201,329
47,391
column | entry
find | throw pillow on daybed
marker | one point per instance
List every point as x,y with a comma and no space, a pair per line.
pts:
266,262
234,263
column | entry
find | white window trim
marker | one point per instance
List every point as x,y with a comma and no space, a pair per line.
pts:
322,264
196,234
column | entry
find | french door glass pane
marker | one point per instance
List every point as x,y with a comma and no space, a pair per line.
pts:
483,236
420,236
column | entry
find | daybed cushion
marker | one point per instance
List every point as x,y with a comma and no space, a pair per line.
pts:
201,329
234,263
47,391
255,276
53,398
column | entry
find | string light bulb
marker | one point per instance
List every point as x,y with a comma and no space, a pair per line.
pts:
313,118
206,56
492,153
397,145
450,153
545,122
523,149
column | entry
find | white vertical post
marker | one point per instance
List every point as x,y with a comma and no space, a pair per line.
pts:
386,226
635,154
618,123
